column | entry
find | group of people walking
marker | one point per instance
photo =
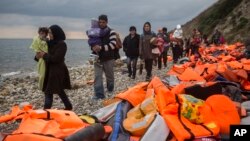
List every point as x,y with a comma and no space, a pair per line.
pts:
148,47
104,43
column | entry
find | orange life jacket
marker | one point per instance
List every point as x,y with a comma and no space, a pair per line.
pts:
235,65
224,112
134,95
176,70
190,75
51,125
184,129
213,111
223,70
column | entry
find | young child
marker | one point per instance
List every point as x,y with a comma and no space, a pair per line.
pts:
39,44
95,34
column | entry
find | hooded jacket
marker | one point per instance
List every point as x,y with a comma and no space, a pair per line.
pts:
145,47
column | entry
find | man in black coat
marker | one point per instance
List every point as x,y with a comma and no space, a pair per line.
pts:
131,49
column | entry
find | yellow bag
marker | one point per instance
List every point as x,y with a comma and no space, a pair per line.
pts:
190,108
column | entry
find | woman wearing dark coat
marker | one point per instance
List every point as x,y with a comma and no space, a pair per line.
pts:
57,75
145,49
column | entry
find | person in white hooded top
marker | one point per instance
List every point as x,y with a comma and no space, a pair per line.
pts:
177,43
178,33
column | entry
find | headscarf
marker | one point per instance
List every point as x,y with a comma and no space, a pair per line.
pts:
58,34
147,32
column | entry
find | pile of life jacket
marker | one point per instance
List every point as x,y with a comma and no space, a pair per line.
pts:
189,103
152,111
196,101
51,125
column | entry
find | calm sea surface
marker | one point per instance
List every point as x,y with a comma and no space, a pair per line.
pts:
17,57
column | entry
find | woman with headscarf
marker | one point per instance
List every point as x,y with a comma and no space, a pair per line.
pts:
145,49
57,75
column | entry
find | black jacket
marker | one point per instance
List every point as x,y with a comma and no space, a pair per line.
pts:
131,46
56,73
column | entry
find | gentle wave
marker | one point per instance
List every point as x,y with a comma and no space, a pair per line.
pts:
10,74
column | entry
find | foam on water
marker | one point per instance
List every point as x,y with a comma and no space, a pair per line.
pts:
10,74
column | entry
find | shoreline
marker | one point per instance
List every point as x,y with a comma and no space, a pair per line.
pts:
15,90
18,73
23,88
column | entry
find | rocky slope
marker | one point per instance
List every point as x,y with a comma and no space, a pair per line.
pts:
231,17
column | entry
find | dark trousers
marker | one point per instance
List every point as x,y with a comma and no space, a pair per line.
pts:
160,58
175,50
164,57
131,64
194,49
62,95
180,51
149,66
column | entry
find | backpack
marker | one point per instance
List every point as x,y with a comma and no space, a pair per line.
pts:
117,47
118,41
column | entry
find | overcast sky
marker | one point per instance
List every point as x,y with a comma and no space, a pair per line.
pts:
21,18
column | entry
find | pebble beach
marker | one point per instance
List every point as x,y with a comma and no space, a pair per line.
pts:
15,90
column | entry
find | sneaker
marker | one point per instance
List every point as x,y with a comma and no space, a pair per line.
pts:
97,98
110,89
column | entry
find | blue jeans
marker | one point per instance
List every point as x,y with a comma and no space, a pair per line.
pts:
108,68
